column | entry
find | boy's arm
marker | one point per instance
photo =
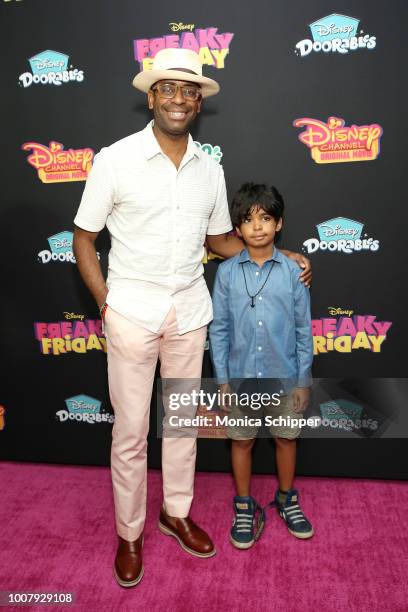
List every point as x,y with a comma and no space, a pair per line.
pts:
304,338
220,327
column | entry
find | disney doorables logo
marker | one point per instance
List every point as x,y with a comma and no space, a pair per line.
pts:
55,164
50,68
60,249
335,34
341,235
85,409
346,415
333,142
211,46
348,333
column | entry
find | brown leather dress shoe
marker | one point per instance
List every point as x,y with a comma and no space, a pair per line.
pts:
191,538
128,568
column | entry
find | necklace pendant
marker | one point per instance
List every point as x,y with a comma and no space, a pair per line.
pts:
252,303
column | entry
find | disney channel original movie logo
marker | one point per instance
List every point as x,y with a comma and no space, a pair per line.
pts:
60,249
333,142
335,34
54,164
85,409
341,235
74,335
348,332
50,68
212,46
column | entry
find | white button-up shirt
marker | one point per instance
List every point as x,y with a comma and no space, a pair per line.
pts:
158,217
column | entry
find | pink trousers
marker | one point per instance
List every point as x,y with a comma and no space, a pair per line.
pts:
132,358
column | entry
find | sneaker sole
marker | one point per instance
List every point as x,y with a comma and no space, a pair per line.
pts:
166,531
241,545
128,584
302,536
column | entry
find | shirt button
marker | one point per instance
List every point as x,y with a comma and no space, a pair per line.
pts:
260,298
259,348
259,322
256,273
259,373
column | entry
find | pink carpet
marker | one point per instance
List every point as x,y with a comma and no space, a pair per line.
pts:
57,534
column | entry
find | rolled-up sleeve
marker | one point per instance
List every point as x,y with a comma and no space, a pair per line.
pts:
98,197
220,220
304,337
220,327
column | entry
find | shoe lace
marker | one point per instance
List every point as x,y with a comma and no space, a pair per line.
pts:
244,522
293,513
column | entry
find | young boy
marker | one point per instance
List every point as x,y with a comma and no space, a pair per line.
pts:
262,331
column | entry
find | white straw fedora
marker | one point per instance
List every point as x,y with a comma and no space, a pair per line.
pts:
177,64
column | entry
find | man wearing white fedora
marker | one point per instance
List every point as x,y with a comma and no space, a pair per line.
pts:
160,197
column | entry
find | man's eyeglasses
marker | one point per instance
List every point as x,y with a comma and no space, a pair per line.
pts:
169,90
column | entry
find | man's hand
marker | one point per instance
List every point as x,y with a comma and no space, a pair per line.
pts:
301,398
225,401
304,263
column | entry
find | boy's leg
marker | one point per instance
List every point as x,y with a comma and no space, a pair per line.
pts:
285,441
241,457
249,517
285,454
286,498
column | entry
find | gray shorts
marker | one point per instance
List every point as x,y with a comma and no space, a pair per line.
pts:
248,432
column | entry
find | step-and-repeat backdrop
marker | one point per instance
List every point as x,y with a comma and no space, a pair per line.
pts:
312,99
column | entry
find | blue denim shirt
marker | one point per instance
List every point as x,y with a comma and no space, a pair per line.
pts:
271,340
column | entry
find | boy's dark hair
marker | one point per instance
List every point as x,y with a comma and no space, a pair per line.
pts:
261,196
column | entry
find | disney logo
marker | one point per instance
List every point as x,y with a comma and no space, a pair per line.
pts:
72,315
59,244
178,27
318,133
82,405
339,311
338,230
325,30
47,63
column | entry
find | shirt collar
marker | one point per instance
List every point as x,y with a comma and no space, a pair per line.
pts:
152,148
244,256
